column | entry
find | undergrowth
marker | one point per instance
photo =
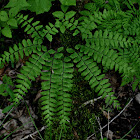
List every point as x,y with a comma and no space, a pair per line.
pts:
102,36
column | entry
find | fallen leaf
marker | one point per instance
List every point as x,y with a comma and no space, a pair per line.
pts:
106,114
109,134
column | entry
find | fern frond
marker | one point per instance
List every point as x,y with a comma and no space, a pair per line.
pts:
48,99
25,48
133,28
56,99
86,27
49,31
31,28
29,73
108,19
90,8
64,98
114,21
37,31
131,55
92,73
111,39
109,5
108,57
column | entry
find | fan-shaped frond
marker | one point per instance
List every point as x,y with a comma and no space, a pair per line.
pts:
37,31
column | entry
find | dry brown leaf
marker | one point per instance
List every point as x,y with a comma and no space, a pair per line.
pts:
37,96
105,113
76,135
109,134
122,94
10,125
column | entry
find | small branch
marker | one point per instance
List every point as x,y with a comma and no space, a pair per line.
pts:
108,125
90,102
118,114
98,120
114,117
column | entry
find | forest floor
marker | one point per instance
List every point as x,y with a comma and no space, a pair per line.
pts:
90,116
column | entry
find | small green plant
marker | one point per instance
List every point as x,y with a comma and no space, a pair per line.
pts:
5,90
6,24
104,44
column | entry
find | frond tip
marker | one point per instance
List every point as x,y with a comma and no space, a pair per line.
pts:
56,101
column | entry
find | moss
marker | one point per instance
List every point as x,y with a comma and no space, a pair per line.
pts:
83,122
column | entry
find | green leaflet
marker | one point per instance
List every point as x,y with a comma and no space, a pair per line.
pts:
68,2
8,108
12,22
16,6
6,31
62,29
58,14
3,16
40,6
69,15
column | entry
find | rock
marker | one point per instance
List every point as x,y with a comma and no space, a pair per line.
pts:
1,114
109,134
137,97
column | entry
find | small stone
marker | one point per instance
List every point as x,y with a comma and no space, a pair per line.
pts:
1,114
1,82
109,134
137,97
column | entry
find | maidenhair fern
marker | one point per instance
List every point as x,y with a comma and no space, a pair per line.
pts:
102,44
92,73
57,74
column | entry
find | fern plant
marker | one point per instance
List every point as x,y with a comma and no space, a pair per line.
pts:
103,48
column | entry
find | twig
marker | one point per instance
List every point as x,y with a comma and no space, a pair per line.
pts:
10,111
98,120
90,101
114,117
108,125
118,114
30,135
